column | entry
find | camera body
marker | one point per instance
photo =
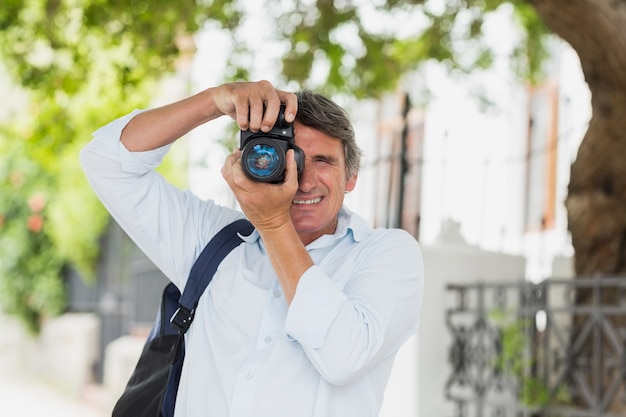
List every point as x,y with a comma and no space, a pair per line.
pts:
263,155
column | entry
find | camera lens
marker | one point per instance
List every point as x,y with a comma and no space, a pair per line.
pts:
263,162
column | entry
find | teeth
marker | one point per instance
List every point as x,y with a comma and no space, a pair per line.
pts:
312,201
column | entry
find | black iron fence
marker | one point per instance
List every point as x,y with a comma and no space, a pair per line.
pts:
556,348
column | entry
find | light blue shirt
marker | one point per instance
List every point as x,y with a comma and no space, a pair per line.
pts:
249,354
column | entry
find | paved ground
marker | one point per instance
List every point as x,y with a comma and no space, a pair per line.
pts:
30,398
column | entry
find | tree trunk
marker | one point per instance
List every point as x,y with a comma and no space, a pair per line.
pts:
596,201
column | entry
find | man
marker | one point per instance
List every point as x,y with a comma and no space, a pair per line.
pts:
306,316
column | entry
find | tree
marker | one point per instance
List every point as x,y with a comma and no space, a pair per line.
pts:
596,202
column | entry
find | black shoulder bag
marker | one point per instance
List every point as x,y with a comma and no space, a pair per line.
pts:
151,390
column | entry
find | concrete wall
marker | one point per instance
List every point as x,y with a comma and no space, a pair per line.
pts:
417,383
63,355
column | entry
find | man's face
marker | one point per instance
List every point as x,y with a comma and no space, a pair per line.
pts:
322,184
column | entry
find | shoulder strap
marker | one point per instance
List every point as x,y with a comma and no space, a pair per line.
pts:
204,268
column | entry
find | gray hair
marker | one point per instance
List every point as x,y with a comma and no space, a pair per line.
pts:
320,113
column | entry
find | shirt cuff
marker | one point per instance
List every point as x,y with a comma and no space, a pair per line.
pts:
315,306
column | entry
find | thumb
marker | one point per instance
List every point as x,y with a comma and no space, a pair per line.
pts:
291,168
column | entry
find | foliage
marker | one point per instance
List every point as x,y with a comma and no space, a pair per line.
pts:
451,32
516,359
30,263
81,64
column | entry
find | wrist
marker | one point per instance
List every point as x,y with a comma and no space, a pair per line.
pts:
278,225
209,105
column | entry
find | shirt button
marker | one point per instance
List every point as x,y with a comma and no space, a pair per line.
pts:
250,375
268,339
276,294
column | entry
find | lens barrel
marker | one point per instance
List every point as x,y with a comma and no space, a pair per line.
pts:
263,159
263,155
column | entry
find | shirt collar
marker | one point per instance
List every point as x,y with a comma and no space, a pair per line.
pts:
347,222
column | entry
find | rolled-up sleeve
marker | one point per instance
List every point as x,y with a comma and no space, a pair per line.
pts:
347,329
315,293
167,223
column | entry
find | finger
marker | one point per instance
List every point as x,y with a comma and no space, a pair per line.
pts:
230,161
272,108
242,112
256,113
290,100
227,169
291,168
262,95
236,168
248,99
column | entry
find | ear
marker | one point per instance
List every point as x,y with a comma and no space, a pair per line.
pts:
351,183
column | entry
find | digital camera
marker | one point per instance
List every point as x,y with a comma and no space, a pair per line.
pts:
263,155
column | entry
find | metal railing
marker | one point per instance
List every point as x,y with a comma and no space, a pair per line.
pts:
556,348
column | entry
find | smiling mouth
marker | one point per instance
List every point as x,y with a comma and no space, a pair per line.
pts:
307,202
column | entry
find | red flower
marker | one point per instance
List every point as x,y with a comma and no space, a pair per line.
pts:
35,223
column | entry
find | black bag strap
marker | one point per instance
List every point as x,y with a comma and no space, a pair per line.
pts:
203,269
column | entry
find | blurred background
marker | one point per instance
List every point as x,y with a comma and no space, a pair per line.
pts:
493,132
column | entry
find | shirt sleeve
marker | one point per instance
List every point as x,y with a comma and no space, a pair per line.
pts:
168,224
347,331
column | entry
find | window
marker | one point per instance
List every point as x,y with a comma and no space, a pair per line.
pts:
541,157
